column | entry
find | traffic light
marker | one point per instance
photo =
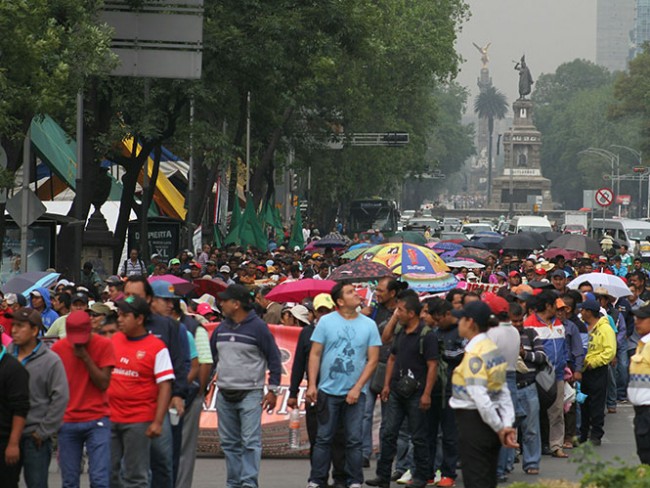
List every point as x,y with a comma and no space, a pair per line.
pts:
294,182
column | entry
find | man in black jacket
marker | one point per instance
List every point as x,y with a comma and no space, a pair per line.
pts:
14,405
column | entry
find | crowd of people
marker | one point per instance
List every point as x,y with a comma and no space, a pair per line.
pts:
488,375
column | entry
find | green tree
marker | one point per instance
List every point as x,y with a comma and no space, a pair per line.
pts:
492,105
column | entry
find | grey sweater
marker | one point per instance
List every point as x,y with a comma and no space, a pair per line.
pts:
48,392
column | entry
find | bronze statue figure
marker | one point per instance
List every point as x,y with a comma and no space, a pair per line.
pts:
525,78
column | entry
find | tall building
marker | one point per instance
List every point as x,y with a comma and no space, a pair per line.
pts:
615,30
641,25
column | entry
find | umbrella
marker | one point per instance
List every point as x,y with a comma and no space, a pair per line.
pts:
330,241
431,283
551,235
406,258
465,264
444,246
25,283
295,291
576,242
209,286
409,236
490,242
478,254
360,245
519,242
614,285
570,255
355,253
359,271
474,244
181,286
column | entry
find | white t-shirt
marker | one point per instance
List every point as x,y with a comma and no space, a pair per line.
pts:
507,339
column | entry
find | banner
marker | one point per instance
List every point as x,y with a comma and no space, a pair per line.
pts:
275,425
480,287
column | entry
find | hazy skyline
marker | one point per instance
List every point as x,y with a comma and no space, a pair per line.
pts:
548,32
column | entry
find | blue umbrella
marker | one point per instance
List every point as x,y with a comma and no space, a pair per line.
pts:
359,246
445,246
486,233
27,282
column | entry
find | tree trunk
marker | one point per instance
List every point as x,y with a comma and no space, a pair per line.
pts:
489,182
261,174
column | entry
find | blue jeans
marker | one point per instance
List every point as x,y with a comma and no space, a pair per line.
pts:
611,386
506,454
622,365
130,455
240,433
441,417
400,411
531,444
330,409
368,421
96,435
35,461
162,475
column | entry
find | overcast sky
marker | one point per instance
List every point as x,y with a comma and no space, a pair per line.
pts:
549,32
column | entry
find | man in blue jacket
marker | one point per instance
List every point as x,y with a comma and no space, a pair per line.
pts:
243,349
39,300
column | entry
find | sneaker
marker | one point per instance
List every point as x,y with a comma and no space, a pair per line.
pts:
355,485
446,481
416,483
396,475
311,484
406,477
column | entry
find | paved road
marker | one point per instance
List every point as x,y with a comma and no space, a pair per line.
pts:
282,473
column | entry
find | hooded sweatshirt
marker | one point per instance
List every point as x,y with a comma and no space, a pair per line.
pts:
48,315
48,391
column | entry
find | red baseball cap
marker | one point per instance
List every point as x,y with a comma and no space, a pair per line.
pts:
497,304
514,273
77,327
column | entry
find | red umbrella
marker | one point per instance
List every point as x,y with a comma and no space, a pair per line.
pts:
555,252
295,291
181,286
211,287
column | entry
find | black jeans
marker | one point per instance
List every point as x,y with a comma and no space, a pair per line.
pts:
398,410
338,444
642,432
8,474
594,385
479,450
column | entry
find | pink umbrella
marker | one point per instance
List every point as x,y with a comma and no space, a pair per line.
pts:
181,286
295,291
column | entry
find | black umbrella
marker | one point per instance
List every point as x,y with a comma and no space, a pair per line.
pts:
551,235
576,242
474,244
539,238
520,242
360,271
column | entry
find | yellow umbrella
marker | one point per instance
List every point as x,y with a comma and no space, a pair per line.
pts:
402,258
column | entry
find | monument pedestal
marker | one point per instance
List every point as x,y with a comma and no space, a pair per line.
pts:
522,186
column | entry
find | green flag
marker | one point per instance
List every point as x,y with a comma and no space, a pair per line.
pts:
250,230
218,238
270,216
296,238
235,220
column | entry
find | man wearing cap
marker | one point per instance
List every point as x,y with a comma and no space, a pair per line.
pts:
637,390
88,360
164,328
115,288
139,396
39,300
514,278
48,395
601,351
155,261
558,278
272,310
78,301
195,270
243,338
211,268
481,400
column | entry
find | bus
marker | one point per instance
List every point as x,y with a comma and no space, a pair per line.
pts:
373,214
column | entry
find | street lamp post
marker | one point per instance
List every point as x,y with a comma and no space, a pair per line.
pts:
613,161
639,156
